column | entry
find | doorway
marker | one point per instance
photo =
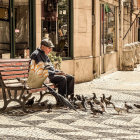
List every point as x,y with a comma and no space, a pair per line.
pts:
108,33
15,27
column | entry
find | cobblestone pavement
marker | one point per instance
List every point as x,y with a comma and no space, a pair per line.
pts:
65,124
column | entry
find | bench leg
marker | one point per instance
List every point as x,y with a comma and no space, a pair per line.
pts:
21,100
4,100
42,95
4,107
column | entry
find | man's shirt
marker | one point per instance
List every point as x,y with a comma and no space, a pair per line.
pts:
39,56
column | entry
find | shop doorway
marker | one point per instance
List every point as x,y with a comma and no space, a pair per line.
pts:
14,28
108,33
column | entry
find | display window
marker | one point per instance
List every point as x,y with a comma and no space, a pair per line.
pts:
108,28
55,25
14,28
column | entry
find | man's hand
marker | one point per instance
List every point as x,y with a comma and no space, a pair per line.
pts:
60,73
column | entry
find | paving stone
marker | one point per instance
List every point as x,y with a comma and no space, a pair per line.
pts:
66,124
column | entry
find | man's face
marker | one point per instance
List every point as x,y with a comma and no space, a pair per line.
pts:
47,50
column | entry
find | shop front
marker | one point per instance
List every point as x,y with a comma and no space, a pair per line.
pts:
16,28
108,36
68,23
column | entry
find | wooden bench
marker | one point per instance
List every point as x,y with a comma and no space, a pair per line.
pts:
12,89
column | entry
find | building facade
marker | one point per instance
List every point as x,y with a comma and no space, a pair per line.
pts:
87,35
69,25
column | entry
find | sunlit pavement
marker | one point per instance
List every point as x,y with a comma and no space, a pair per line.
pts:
66,124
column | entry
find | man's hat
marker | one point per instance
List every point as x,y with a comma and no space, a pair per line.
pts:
47,42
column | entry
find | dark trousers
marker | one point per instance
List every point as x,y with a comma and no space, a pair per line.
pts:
65,84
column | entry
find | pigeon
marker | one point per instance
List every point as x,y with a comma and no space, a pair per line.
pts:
44,103
117,109
78,104
102,99
109,98
103,96
102,106
99,103
78,97
107,102
30,102
49,107
84,102
96,101
95,111
94,96
127,107
71,97
137,106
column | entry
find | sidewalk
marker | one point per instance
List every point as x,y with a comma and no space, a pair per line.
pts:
65,124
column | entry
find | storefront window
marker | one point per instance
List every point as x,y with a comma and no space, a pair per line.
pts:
55,25
14,28
4,28
108,28
21,28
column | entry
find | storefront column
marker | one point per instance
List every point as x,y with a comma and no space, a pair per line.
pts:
96,39
121,36
38,22
32,25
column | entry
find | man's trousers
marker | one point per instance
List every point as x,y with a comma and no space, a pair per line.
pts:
65,84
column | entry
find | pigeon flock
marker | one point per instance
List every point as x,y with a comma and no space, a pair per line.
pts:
94,104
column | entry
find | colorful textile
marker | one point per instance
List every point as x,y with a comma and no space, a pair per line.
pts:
37,75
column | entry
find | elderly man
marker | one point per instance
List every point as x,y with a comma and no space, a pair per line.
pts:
64,81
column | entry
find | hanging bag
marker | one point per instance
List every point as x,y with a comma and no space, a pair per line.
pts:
37,75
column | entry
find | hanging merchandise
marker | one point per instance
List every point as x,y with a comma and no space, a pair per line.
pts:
50,6
45,2
51,12
107,8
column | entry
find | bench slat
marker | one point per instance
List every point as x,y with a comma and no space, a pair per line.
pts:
14,68
14,76
33,90
14,72
14,60
14,64
15,85
8,81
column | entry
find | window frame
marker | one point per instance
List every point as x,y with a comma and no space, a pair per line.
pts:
70,34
